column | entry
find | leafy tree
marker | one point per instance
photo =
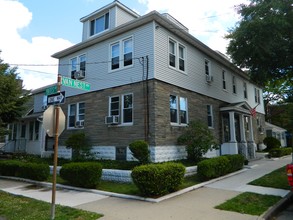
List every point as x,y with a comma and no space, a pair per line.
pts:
198,140
262,42
12,98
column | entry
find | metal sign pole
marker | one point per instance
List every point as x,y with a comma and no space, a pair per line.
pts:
57,109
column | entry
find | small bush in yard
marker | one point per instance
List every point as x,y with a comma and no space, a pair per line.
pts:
271,143
140,151
212,168
34,171
158,179
236,162
9,167
280,152
83,174
219,166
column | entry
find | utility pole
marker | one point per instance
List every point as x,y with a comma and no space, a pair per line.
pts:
57,110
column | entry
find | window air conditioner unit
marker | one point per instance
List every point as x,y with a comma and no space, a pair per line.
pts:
113,120
79,74
79,124
209,78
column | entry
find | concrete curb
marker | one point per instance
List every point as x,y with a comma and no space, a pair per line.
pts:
125,196
279,206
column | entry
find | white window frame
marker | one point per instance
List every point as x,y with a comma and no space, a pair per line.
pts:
179,110
224,82
121,53
178,57
92,24
77,115
234,85
210,116
257,95
121,108
245,94
207,67
79,65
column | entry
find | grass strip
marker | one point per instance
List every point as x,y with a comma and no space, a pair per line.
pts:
14,207
276,179
249,203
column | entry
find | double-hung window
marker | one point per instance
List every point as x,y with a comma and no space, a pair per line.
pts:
210,116
178,110
234,84
122,106
177,55
257,95
78,63
207,67
224,79
121,53
76,115
245,90
99,24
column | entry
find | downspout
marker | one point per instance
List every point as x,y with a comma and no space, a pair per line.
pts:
147,101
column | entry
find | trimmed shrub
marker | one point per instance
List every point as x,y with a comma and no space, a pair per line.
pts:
213,167
271,143
198,139
158,179
83,174
33,171
140,151
236,162
9,167
280,152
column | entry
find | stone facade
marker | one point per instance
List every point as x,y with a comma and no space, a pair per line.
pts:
160,134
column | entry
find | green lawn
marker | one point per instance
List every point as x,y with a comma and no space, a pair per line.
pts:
256,204
276,179
249,203
18,207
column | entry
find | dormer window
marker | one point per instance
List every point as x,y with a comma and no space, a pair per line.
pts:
100,24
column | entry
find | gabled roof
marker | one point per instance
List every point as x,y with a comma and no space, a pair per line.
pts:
269,126
242,107
162,21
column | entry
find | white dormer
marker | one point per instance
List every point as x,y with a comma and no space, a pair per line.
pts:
106,18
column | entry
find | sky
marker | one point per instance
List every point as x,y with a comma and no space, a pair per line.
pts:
33,30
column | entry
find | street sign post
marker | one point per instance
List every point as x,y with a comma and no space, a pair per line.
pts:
56,98
51,90
77,84
49,121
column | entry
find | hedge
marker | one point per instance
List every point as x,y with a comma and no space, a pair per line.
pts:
280,152
34,171
158,179
83,174
219,166
9,167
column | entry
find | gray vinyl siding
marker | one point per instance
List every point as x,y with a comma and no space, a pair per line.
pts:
122,16
38,102
194,77
98,60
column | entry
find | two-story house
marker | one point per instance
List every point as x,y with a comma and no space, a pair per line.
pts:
149,78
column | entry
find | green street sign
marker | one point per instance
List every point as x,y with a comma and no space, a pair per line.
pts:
51,90
77,84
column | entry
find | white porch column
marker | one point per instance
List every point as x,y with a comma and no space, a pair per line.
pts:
251,144
243,144
230,147
232,127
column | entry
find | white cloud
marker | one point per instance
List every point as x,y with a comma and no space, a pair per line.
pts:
15,50
207,20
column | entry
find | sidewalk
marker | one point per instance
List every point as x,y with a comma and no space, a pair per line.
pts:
196,204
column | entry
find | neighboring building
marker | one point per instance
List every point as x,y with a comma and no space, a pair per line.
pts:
276,132
149,78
